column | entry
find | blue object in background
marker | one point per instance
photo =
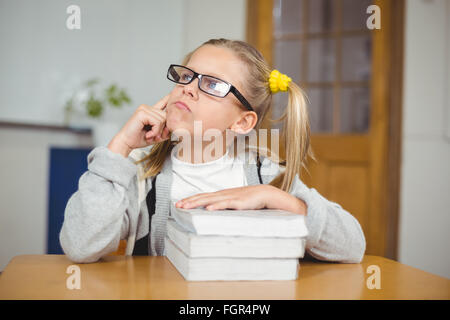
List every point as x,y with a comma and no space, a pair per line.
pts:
66,167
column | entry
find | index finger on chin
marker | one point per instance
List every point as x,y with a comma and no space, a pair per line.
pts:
161,104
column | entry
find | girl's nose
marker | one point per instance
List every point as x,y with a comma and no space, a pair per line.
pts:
191,88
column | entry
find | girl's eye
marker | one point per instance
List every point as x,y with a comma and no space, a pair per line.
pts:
185,77
216,86
212,84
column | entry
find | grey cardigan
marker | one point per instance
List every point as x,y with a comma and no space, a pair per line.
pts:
110,205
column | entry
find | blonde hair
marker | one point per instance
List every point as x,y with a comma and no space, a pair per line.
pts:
296,128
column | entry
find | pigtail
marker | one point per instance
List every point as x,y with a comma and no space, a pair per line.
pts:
295,132
297,137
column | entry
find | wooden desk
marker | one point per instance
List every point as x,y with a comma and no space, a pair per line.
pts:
120,277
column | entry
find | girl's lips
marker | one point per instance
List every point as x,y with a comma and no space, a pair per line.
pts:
182,105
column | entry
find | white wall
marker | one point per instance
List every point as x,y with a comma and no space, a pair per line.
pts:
206,19
42,62
425,185
132,42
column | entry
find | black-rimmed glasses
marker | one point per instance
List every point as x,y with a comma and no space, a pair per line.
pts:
208,84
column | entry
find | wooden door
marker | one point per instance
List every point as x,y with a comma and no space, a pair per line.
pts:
352,76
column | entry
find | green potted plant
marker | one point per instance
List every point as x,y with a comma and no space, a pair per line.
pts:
97,104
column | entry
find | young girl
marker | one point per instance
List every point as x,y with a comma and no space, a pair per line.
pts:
226,86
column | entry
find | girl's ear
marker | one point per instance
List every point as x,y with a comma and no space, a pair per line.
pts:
245,123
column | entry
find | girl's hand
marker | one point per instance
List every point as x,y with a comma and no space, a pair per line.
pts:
245,198
132,135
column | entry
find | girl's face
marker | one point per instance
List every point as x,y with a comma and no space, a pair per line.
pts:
213,112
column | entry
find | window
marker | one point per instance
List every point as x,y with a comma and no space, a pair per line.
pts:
325,47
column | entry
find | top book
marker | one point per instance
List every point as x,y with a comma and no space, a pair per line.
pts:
250,223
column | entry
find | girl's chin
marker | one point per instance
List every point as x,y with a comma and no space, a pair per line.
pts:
178,127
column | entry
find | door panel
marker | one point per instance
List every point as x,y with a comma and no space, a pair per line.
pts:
349,186
341,173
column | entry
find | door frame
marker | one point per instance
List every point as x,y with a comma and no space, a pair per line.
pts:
384,137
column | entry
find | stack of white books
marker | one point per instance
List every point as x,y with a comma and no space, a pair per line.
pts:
235,245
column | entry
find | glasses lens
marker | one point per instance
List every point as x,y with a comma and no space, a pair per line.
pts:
180,74
214,86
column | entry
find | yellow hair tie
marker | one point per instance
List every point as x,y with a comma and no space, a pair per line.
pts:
278,81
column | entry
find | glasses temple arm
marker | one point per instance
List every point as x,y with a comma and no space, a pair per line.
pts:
241,98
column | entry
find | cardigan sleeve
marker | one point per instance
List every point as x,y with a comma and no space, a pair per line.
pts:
333,233
98,214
